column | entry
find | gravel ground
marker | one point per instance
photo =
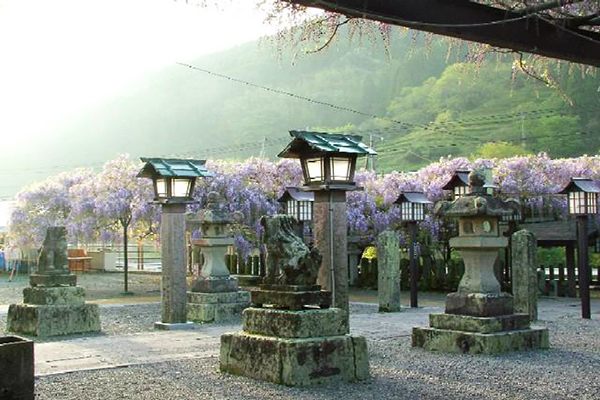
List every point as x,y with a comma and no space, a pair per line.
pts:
97,286
567,371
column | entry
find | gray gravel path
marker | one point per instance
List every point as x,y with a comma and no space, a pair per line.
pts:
567,371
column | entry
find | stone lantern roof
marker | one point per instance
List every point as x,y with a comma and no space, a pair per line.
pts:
477,203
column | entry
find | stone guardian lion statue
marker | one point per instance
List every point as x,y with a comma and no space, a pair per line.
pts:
289,260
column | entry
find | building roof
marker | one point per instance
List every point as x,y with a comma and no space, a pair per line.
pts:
296,194
557,233
460,178
319,142
413,197
170,167
581,184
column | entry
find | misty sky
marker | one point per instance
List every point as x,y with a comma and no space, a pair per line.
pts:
62,56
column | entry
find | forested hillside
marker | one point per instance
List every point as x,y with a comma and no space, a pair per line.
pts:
431,105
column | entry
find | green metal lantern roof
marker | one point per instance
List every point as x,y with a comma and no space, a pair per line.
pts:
319,142
173,168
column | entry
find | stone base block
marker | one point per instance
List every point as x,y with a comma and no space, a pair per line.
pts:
53,320
467,323
479,304
215,284
167,326
295,362
249,280
291,300
62,295
50,280
295,324
216,307
449,341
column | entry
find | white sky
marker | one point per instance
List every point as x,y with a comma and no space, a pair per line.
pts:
58,57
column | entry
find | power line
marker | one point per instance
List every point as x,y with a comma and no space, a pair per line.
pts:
319,102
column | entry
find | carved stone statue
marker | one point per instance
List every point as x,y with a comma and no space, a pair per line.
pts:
289,260
53,255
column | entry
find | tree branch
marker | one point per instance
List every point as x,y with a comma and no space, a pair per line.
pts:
467,20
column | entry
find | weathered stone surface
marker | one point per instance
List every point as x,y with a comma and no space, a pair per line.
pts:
388,263
217,298
249,280
479,343
53,257
215,284
291,300
295,362
174,269
524,273
290,288
479,304
289,260
16,360
53,320
216,307
334,200
299,324
479,274
54,295
52,280
467,323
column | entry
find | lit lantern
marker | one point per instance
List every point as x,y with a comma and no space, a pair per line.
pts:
412,206
173,179
583,201
298,203
583,196
327,160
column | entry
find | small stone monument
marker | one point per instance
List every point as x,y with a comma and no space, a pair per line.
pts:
524,273
215,296
290,336
53,304
388,263
479,318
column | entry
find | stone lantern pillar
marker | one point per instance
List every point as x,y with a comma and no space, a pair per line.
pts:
215,296
479,318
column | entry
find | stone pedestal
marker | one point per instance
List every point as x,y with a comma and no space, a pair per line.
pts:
477,321
388,263
524,273
294,348
53,311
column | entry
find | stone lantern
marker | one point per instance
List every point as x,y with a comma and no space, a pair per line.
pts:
215,296
479,318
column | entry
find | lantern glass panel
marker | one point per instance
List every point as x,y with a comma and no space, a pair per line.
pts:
180,187
340,169
161,187
460,191
314,169
592,203
305,210
292,207
577,203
